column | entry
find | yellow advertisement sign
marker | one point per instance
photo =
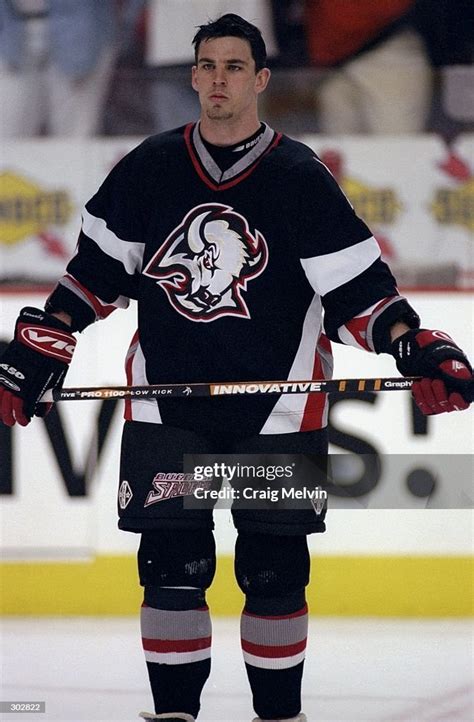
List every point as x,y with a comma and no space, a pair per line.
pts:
455,206
375,205
26,209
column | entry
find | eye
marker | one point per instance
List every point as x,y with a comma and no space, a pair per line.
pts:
234,68
207,66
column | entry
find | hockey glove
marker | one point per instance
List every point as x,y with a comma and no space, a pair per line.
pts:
36,360
447,383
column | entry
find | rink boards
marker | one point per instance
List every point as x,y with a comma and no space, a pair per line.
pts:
63,554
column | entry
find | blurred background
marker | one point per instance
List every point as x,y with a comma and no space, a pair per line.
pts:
383,91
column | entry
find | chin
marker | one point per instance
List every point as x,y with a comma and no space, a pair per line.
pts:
219,114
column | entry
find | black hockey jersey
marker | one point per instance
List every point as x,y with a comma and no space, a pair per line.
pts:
231,271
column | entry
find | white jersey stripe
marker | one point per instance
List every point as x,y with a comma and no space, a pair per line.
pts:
142,409
288,412
129,253
348,338
331,270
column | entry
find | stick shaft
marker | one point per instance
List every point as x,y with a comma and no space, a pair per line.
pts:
240,388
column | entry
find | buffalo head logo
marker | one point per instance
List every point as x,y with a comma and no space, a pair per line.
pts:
205,263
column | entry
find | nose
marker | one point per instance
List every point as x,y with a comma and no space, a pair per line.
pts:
219,76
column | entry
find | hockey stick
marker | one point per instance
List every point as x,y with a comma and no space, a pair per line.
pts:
232,388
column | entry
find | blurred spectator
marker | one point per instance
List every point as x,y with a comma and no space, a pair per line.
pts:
290,33
56,60
170,29
447,27
381,76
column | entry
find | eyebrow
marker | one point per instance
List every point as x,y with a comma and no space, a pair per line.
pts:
229,61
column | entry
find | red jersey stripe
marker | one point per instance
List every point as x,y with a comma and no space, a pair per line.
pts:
315,404
128,372
101,309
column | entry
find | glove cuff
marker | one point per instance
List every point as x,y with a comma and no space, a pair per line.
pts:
378,330
42,318
45,334
420,352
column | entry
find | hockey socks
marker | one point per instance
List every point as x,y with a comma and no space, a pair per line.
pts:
273,636
176,636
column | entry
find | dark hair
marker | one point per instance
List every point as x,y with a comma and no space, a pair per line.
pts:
234,26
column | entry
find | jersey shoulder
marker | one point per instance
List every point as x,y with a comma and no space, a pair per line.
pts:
159,146
146,164
300,163
293,153
303,169
168,140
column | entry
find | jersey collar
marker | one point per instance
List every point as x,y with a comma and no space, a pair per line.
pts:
208,169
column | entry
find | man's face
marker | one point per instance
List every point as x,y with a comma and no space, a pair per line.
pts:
225,79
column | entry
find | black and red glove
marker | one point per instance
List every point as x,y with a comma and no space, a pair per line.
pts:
36,360
447,382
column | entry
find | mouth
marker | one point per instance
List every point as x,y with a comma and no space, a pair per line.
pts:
216,97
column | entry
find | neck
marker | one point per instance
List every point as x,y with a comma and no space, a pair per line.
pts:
224,133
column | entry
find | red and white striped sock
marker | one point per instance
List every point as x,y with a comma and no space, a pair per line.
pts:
177,647
274,647
171,637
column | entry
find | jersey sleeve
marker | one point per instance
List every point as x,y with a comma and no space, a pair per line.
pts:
341,260
103,274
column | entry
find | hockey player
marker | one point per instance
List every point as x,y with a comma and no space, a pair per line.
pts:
232,238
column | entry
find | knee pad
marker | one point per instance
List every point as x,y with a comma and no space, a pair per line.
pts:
177,558
271,566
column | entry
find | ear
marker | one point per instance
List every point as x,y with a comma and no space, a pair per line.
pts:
262,80
194,82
